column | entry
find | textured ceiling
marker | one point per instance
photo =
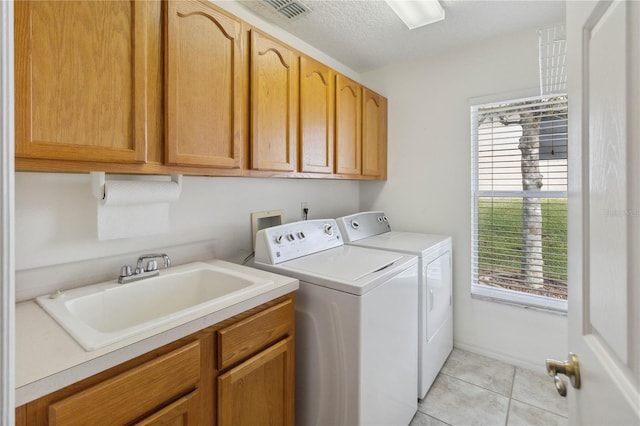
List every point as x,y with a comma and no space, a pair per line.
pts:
366,34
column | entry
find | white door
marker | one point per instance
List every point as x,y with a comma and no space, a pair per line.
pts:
604,210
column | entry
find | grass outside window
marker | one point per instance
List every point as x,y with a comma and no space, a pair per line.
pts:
500,244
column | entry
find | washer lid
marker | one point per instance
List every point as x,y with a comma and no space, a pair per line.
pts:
345,263
405,242
351,269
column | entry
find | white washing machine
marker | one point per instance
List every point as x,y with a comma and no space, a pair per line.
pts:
435,330
356,325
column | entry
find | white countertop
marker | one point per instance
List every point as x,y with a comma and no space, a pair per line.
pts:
48,359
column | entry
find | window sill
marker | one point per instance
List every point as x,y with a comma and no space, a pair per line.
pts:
510,297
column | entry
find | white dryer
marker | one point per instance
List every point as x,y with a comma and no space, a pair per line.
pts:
435,330
356,325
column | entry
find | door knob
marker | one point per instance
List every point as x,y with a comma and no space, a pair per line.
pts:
569,368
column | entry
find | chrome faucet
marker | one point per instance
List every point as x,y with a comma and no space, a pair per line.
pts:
127,274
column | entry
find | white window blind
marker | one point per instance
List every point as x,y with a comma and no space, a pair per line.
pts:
552,47
519,188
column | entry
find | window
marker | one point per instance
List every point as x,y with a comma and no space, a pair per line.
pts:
519,206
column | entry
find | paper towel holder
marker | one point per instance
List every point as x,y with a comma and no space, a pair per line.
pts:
98,180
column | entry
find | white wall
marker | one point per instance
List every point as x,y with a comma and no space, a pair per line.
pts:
429,167
56,224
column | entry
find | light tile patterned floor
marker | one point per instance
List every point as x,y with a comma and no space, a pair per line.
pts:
476,390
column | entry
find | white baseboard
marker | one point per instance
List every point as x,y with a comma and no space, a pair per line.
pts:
510,359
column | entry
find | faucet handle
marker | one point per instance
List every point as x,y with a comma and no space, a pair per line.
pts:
152,265
126,271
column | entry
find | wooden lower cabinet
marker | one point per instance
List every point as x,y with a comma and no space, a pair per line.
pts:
21,416
267,380
187,382
183,412
119,399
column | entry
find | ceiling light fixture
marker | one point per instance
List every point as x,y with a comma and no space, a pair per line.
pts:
416,13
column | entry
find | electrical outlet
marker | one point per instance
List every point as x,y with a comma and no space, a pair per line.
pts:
304,214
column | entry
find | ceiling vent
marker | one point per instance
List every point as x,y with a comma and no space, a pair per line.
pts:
290,9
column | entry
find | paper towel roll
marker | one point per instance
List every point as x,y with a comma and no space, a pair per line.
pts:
127,192
133,208
132,221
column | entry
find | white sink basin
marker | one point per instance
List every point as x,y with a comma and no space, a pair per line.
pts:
101,314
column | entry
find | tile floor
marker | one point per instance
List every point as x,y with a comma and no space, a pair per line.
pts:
476,390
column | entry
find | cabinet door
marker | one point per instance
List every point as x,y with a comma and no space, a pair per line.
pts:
260,390
183,412
348,126
21,416
204,76
316,116
374,139
80,80
274,106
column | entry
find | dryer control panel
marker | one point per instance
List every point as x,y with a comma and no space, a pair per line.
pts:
362,225
292,240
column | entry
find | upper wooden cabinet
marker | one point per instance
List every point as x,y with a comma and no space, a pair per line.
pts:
317,106
374,134
361,130
274,104
204,77
80,81
182,86
348,126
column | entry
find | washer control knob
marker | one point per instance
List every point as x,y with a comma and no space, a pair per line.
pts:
328,229
380,219
290,237
278,239
355,224
384,218
301,235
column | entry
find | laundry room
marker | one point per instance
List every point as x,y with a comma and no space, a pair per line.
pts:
422,182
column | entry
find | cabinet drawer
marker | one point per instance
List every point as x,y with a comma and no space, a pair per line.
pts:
149,385
254,333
